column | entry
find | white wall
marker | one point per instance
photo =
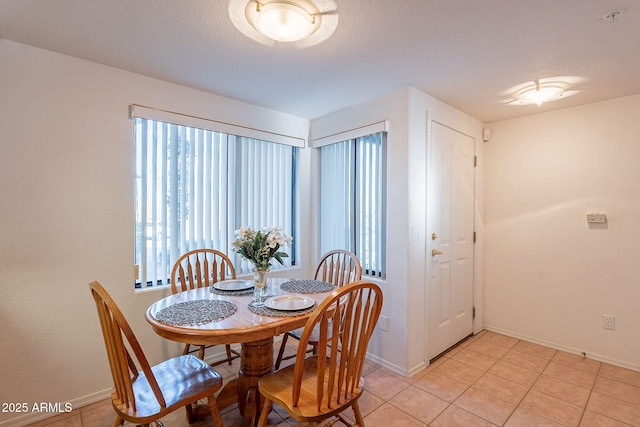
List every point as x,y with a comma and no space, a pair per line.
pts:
403,347
550,276
66,215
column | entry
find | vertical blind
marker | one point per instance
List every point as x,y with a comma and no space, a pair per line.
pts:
194,187
264,187
353,204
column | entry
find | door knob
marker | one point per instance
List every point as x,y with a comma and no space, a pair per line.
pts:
435,252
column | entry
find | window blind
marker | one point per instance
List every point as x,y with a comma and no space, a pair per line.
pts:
264,186
194,187
353,200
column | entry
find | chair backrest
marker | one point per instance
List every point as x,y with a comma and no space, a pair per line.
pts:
344,335
200,268
339,267
116,331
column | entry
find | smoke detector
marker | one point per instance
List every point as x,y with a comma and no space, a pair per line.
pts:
612,16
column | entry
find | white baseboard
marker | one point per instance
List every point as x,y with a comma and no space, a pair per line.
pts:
395,368
556,346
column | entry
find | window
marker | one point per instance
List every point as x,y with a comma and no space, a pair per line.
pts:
352,200
195,187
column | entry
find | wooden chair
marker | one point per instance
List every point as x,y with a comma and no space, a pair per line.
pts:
145,396
202,268
338,267
324,385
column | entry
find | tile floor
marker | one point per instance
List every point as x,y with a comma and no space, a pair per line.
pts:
488,380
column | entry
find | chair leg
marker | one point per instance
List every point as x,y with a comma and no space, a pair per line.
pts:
281,351
201,353
228,348
119,422
266,409
187,347
356,412
215,412
189,409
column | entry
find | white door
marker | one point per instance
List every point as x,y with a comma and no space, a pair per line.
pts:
450,219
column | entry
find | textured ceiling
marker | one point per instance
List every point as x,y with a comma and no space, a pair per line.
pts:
471,54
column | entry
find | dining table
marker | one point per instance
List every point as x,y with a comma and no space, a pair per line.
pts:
226,313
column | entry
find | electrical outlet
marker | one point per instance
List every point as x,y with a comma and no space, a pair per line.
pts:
383,323
608,321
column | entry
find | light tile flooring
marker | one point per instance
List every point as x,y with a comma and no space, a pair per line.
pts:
488,380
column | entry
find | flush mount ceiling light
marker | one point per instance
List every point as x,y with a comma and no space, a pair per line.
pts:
543,90
282,21
300,23
540,93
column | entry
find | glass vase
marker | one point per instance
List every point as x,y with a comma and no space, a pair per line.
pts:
260,289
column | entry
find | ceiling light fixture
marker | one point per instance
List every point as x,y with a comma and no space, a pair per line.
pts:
540,94
259,20
282,21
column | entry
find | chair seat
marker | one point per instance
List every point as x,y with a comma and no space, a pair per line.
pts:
277,387
181,379
315,335
297,334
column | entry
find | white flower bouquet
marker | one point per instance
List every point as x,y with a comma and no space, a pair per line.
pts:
261,246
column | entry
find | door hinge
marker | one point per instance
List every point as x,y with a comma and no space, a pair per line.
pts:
474,237
475,161
473,314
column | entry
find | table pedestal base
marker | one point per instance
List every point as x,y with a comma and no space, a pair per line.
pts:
256,361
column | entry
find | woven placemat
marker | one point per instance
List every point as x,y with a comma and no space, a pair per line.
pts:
306,286
266,311
230,293
197,312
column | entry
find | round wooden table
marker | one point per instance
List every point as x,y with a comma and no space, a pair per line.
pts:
254,332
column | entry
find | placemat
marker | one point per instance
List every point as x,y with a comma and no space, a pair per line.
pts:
196,312
266,311
228,293
306,286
